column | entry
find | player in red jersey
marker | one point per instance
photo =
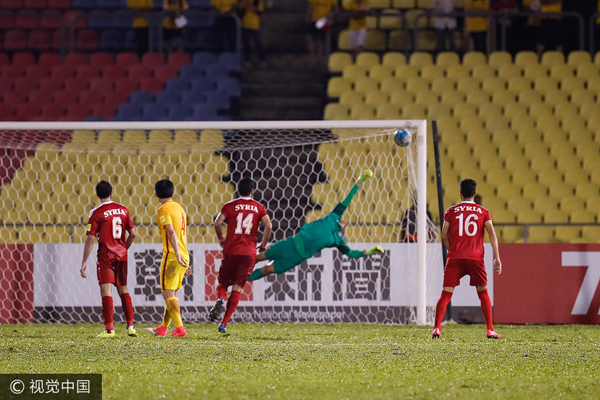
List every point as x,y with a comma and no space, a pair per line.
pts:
463,234
239,247
108,222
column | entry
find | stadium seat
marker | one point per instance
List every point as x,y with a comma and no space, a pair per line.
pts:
456,72
393,59
367,59
375,98
550,58
510,71
87,40
401,98
101,59
381,72
339,60
524,58
128,112
587,71
538,234
499,58
420,59
387,111
65,97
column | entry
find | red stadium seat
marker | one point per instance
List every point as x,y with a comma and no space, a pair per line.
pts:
6,85
77,18
14,97
59,4
26,112
106,110
11,4
53,111
152,85
164,72
49,60
88,72
56,41
7,112
91,98
116,97
126,85
76,85
139,72
66,97
36,4
101,85
37,72
78,112
15,40
179,59
24,21
114,72
153,59
40,40
49,22
26,85
102,59
23,59
86,40
7,22
51,85
12,72
40,97
76,59
63,72
127,59
4,60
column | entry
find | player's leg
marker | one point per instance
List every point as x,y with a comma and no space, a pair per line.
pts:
107,310
244,265
175,312
121,284
452,274
341,207
284,256
174,278
225,279
261,272
476,270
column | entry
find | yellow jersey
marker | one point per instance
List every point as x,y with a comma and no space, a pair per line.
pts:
551,6
321,8
171,213
140,22
357,22
224,6
478,24
251,19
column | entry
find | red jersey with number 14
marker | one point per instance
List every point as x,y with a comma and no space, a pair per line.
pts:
467,220
243,218
109,221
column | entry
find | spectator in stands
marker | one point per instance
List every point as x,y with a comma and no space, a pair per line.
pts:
251,31
408,224
501,7
444,26
477,27
477,199
551,28
319,14
140,22
358,24
174,22
225,24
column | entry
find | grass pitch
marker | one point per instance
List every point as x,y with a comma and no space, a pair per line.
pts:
350,361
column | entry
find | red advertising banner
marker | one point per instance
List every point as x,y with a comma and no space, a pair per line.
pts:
16,283
548,283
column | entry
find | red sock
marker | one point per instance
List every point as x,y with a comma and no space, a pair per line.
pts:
440,308
221,291
127,308
107,312
486,307
234,299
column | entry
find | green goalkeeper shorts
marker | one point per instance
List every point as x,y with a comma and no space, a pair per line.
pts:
284,255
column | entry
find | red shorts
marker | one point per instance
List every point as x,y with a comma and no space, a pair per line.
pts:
236,269
110,271
457,268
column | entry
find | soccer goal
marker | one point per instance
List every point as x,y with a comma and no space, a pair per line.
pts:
302,169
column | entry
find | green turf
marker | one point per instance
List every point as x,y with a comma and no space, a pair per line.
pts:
318,361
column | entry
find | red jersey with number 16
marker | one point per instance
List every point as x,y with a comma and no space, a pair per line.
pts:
243,218
109,221
467,220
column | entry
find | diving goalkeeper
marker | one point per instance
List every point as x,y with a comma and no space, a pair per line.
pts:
312,238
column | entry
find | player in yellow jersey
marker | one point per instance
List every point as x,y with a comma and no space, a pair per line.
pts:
176,258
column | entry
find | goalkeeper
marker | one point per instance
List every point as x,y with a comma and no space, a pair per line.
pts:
312,238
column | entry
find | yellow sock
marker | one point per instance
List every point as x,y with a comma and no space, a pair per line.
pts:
166,318
174,310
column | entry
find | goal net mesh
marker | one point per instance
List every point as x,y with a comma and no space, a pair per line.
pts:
48,179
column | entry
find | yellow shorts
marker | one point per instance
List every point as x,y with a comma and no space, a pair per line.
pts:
171,273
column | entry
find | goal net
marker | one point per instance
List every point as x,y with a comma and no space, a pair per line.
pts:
302,169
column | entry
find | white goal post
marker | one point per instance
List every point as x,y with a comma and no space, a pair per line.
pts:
330,153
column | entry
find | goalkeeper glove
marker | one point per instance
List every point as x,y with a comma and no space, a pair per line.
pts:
367,173
375,250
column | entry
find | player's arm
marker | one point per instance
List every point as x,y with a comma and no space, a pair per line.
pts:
357,254
219,228
446,234
89,244
266,234
489,227
172,238
131,234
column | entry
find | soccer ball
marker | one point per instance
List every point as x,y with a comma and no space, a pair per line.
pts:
402,138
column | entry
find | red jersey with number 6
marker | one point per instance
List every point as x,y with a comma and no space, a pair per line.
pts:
109,222
467,220
243,218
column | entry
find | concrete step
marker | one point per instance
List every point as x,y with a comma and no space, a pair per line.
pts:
289,42
252,89
284,75
283,22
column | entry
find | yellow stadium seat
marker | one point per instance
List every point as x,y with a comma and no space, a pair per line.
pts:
109,136
572,84
161,137
387,111
509,71
83,136
483,72
540,234
489,110
516,203
591,234
406,72
392,85
499,58
556,217
575,176
417,85
523,176
571,203
509,190
338,60
430,72
435,111
367,59
525,124
587,107
583,217
528,97
376,97
478,97
403,4
471,123
390,19
564,110
524,58
393,59
593,205
497,122
468,84
584,148
562,71
545,84
552,58
567,234
366,85
516,163
379,4
440,85
414,111
426,98
456,72
344,40
450,123
497,176
593,84
592,164
337,85
545,204
381,72
474,58
534,71
510,234
579,57
452,98
352,97
484,151
503,216
529,216
556,97
549,176
447,58
541,110
519,84
401,98
134,136
560,189
573,122
548,123
362,112
508,148
450,136
376,40
399,39
532,191
420,59
588,71
425,38
464,110
542,162
459,150
504,97
568,163
185,137
336,111
353,72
